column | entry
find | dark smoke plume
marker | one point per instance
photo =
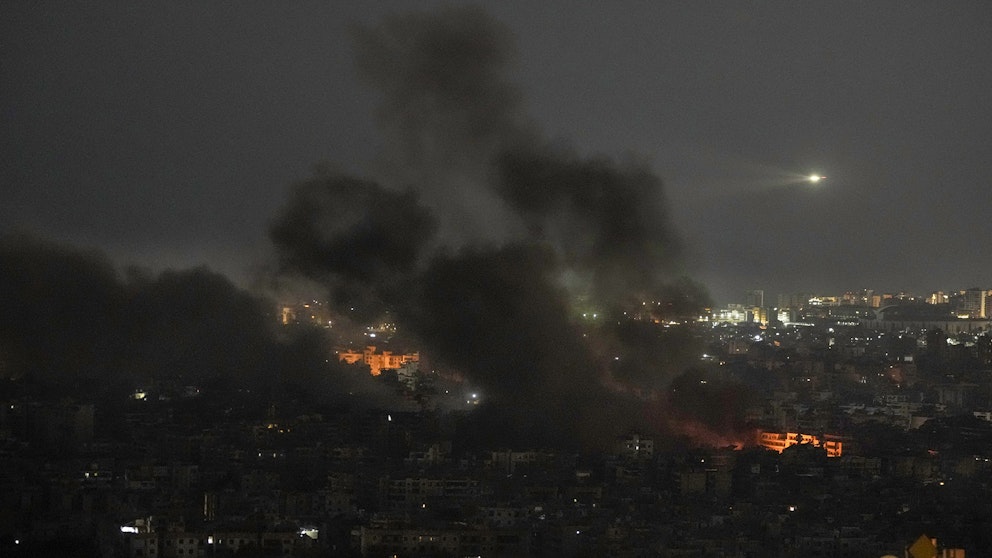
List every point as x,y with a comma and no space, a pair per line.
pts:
445,96
523,230
72,324
354,236
61,310
608,222
448,111
459,133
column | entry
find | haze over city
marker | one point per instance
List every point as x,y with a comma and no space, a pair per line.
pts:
168,135
452,279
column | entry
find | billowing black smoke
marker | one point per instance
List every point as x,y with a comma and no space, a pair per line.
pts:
610,224
490,233
72,324
361,240
62,311
445,99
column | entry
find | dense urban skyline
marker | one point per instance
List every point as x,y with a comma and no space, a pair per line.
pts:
455,279
169,135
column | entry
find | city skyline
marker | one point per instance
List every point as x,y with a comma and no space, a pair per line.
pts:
555,279
168,136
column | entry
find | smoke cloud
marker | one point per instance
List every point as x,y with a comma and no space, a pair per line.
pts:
73,324
357,238
609,223
480,235
444,94
61,310
456,129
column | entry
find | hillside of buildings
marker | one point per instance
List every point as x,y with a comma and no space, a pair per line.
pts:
843,428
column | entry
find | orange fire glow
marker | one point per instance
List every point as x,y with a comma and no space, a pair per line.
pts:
778,441
377,362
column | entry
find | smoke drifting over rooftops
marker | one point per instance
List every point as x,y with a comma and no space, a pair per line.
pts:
72,324
479,234
70,316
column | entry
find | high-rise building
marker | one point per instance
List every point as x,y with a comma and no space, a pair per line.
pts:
794,300
973,303
754,298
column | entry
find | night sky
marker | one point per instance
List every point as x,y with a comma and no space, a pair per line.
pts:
169,135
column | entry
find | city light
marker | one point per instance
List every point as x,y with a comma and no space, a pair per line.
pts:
309,531
143,368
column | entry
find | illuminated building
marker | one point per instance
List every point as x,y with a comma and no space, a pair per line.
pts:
754,302
824,301
895,318
378,362
973,304
759,315
778,441
733,313
926,547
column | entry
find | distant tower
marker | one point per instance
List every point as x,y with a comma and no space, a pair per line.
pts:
795,301
754,299
973,303
754,302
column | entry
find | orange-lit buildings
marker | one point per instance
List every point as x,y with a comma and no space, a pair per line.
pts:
378,362
778,441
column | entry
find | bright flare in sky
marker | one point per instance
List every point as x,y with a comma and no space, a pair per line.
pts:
814,178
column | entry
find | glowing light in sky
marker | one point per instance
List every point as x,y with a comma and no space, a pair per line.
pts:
814,178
